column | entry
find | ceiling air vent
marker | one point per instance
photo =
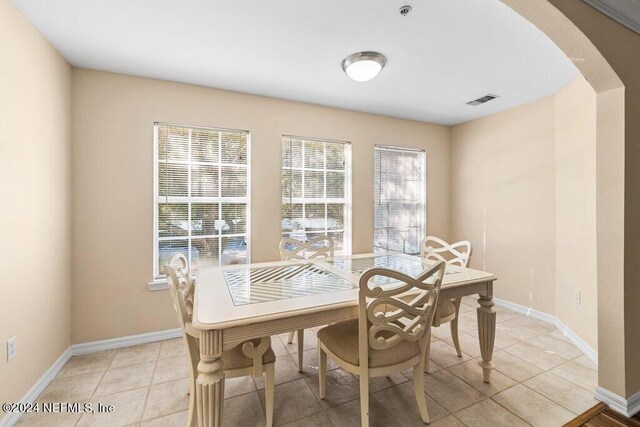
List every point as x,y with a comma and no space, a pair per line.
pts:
486,98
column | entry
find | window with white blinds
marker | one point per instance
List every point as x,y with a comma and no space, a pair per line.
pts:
201,204
399,199
316,190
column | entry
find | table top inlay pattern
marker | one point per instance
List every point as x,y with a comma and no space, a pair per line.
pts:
263,284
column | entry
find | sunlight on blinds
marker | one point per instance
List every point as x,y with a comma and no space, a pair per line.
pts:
399,199
316,193
201,195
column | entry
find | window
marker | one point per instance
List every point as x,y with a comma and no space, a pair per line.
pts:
201,195
316,190
399,199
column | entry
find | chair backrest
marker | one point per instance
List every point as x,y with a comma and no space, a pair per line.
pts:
436,249
385,320
321,246
181,286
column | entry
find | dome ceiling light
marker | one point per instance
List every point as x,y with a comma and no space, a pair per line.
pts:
363,66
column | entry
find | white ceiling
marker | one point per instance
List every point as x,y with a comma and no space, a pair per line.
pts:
443,54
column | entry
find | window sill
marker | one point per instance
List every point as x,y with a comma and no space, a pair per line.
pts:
158,285
161,284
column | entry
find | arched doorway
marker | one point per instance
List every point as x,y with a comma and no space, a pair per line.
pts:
613,363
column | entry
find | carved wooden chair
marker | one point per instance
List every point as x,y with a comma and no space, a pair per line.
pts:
254,357
390,334
448,310
290,249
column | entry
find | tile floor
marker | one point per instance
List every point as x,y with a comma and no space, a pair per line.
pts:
540,379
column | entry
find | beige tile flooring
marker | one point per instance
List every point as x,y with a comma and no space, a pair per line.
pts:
540,379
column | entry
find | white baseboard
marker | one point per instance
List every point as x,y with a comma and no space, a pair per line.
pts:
42,383
85,348
591,353
627,407
128,341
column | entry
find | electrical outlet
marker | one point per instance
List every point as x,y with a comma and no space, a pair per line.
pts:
11,348
578,296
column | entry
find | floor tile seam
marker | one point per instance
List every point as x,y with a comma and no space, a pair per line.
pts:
471,385
310,391
111,394
575,359
146,398
161,416
81,373
86,373
507,409
497,368
458,419
305,416
560,356
93,393
565,357
548,398
544,371
371,396
484,397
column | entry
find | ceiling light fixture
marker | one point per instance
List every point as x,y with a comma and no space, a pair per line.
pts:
363,66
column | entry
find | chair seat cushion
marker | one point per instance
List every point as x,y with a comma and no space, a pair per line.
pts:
342,340
445,308
235,359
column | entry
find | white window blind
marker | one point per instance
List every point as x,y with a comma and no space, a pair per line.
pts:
399,199
201,204
316,190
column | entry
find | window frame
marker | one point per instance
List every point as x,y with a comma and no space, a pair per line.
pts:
159,279
347,229
422,191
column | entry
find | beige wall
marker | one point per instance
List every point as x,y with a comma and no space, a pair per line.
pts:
576,254
113,119
523,191
502,199
620,47
35,161
607,55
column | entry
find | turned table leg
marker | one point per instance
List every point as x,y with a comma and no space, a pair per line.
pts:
210,381
486,332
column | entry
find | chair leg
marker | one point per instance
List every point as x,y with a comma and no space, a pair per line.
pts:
270,374
290,339
300,349
322,371
364,398
427,353
418,387
454,327
192,417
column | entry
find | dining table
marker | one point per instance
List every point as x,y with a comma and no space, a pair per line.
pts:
237,303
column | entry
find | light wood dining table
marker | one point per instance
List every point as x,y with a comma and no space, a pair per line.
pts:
237,303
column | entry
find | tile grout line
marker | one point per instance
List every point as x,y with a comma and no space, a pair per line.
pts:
98,385
491,397
161,416
544,371
304,376
524,385
146,398
507,409
548,398
516,381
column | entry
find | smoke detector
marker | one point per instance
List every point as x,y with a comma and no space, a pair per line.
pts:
405,10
